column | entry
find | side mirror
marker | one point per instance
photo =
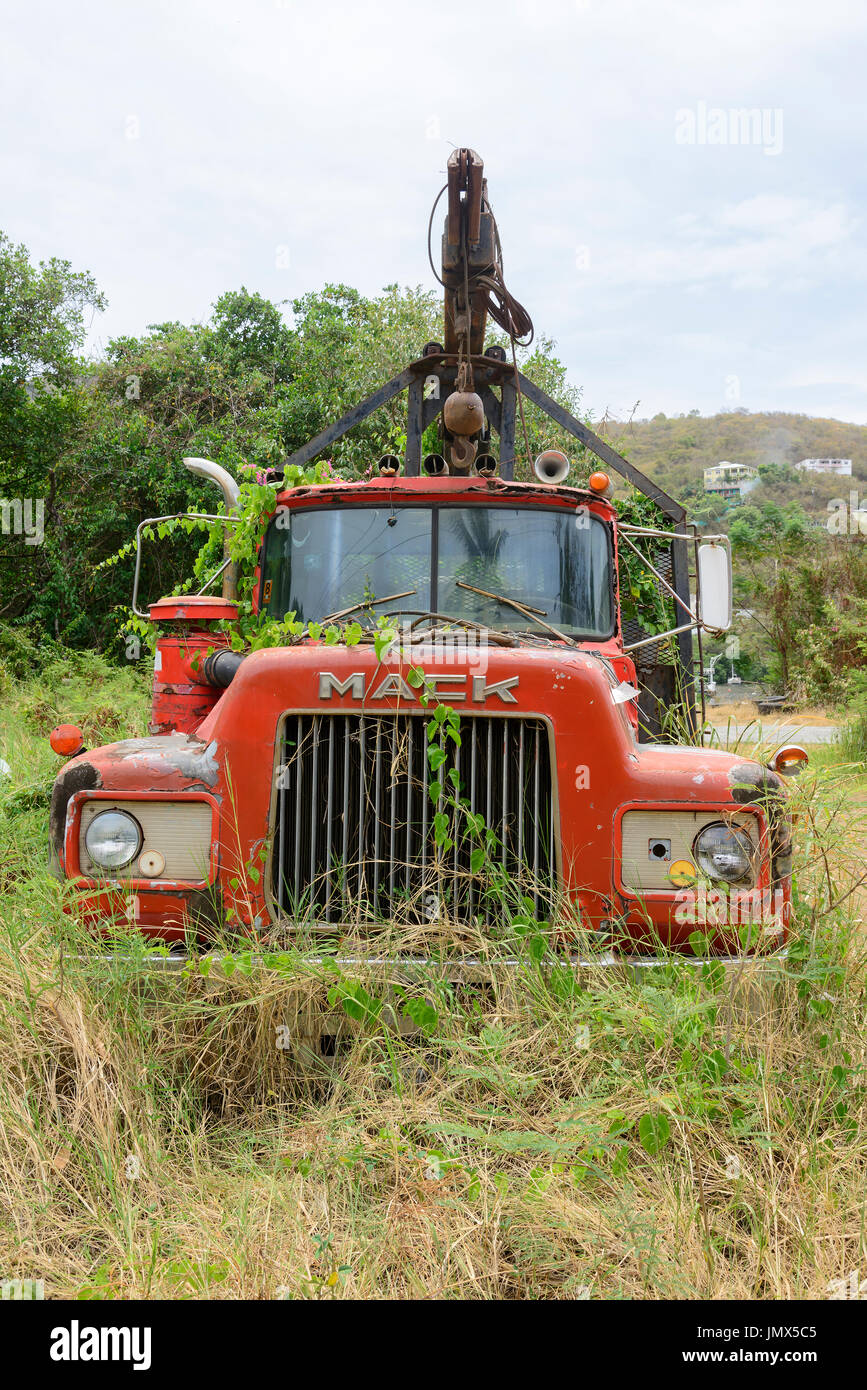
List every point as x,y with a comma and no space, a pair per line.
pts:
715,585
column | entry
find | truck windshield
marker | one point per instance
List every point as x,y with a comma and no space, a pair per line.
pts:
318,563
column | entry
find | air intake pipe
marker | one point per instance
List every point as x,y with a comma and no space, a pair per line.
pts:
220,668
205,468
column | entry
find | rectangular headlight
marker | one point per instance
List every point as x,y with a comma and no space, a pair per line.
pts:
178,833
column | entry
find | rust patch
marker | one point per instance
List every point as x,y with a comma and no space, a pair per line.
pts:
205,910
76,777
753,784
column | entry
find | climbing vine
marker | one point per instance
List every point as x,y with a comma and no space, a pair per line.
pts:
642,600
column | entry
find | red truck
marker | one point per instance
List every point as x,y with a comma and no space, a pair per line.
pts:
292,789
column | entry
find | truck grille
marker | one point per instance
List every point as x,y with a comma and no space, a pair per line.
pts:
354,833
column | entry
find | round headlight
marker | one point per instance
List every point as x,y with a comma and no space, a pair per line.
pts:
724,852
113,839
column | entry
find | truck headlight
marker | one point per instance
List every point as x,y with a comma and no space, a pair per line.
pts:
724,852
113,839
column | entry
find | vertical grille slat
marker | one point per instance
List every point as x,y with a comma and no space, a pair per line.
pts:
283,775
354,830
344,858
504,837
329,813
490,771
377,813
471,894
407,856
362,774
313,807
520,805
425,800
296,878
536,821
457,830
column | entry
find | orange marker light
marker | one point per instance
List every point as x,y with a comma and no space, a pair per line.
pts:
683,873
599,482
789,761
66,739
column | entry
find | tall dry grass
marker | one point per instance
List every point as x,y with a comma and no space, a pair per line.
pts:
542,1133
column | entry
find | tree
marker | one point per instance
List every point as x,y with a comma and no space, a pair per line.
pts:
785,570
42,315
42,327
249,334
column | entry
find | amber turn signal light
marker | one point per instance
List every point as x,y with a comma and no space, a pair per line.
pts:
66,739
683,873
599,482
789,761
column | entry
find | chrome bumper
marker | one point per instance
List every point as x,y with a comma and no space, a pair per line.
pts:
459,967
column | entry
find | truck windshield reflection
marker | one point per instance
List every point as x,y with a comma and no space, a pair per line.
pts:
319,563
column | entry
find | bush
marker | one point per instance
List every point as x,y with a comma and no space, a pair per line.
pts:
83,688
854,738
19,655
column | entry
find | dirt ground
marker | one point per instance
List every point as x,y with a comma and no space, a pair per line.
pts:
742,711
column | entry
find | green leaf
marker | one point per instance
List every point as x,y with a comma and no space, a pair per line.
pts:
654,1132
422,1014
715,1066
355,1001
382,641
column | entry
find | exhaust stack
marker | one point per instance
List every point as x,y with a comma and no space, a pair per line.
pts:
205,468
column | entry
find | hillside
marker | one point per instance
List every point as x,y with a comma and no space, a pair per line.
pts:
673,450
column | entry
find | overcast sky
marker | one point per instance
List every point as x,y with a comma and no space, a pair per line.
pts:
181,149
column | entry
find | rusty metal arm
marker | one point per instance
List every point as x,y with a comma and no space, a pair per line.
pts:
468,250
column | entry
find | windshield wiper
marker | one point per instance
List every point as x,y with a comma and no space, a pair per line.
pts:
505,639
366,603
523,609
